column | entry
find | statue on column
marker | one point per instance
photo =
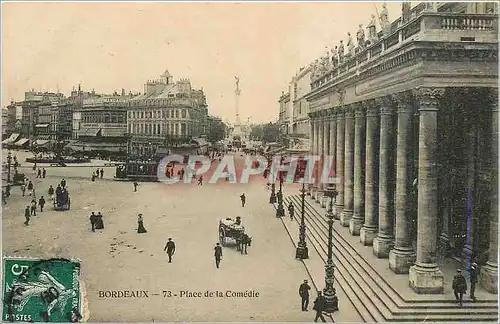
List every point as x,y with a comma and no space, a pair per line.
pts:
372,29
405,12
350,45
341,51
384,20
335,56
360,35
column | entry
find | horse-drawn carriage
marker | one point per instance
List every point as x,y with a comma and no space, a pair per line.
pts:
62,201
231,232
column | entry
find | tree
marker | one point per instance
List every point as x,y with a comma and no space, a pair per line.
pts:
270,132
217,131
257,132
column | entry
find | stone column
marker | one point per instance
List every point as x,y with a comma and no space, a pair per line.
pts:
339,204
403,256
333,138
358,217
384,241
326,151
488,276
321,147
425,276
346,215
312,142
370,227
316,152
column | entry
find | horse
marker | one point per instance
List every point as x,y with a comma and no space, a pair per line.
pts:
244,241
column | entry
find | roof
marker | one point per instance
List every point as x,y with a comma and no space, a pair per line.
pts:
168,89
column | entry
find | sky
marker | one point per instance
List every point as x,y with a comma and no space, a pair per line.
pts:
110,46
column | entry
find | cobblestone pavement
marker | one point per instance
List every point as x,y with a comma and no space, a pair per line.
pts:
117,258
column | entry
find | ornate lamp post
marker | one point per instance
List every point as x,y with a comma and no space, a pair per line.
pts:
302,251
332,303
280,212
272,199
9,162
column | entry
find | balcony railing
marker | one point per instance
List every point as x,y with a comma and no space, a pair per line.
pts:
427,26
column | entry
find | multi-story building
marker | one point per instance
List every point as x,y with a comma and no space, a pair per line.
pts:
5,122
168,114
301,85
285,113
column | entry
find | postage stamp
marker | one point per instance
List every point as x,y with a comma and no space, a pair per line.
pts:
37,290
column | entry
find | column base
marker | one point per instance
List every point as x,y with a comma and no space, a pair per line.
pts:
355,225
338,211
324,201
426,279
400,260
488,277
382,245
345,217
367,234
319,196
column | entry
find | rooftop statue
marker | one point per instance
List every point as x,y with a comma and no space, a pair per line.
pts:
335,56
341,51
384,20
350,44
372,29
405,12
360,35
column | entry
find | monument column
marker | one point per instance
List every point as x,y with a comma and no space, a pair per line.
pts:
425,276
403,256
339,204
370,227
488,276
359,167
346,215
384,241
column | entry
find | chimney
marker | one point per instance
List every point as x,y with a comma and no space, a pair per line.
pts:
123,92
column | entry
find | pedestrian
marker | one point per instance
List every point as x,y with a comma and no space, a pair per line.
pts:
93,177
30,188
319,307
243,199
33,207
474,273
63,183
51,192
102,173
97,173
218,254
135,186
39,173
459,286
44,173
291,210
93,218
41,203
34,167
27,215
140,225
4,199
23,189
170,248
99,223
200,180
304,295
7,190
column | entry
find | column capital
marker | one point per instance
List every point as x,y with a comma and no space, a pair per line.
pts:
403,101
340,113
359,110
386,105
428,98
349,111
371,108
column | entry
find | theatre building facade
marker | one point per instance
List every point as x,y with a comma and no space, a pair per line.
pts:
412,118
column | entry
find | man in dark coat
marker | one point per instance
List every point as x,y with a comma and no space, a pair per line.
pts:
170,248
93,219
39,174
304,295
459,286
102,172
44,173
243,199
33,207
218,254
135,186
41,203
291,210
474,273
63,183
319,307
27,215
30,188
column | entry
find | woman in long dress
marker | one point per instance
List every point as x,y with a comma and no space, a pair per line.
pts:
140,225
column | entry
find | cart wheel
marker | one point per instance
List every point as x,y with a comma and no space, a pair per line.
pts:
222,235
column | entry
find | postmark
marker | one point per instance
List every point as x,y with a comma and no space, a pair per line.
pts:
38,290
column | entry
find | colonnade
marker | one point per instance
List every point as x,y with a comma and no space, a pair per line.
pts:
376,156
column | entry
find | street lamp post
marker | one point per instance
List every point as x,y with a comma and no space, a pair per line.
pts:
9,162
302,251
272,199
332,303
280,212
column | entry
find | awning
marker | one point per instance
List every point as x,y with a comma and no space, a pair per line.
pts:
41,142
43,137
21,142
41,125
11,139
200,141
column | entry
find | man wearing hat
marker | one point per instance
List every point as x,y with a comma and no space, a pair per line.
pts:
170,248
218,254
473,272
304,295
459,286
319,307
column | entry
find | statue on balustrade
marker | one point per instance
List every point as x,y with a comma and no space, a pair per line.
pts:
341,51
372,30
360,35
327,60
315,70
405,12
350,45
335,56
384,20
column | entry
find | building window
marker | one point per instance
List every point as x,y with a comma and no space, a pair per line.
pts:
130,128
142,114
184,113
176,113
183,129
133,114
